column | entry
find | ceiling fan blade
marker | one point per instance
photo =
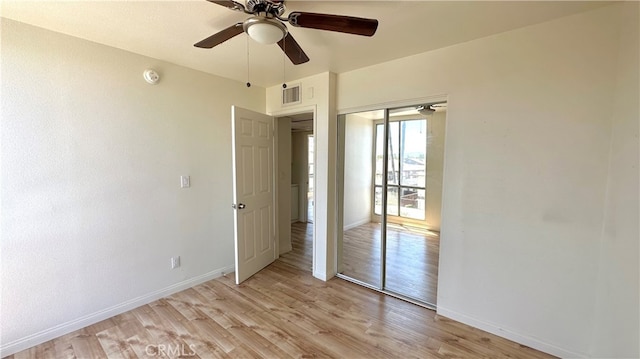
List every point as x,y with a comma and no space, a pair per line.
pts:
293,51
220,37
227,3
339,23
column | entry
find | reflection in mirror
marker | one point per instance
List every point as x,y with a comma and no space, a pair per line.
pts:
361,235
413,224
390,187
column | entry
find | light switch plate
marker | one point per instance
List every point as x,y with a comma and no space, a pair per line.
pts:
185,181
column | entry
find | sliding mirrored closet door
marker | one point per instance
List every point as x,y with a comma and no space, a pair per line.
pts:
360,256
391,182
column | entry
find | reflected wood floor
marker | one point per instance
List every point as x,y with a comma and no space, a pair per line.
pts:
281,312
412,259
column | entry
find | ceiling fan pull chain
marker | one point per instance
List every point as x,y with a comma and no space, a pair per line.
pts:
248,82
284,63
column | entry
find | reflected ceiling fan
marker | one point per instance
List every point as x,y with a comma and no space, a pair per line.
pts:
430,109
267,26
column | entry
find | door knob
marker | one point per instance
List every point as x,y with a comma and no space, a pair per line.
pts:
239,206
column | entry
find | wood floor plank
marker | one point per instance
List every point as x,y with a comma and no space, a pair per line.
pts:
214,335
128,324
87,346
163,332
63,348
284,335
115,345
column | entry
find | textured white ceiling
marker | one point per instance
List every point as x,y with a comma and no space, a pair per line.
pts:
167,30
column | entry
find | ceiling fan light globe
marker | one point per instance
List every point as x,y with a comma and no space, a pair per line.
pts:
265,31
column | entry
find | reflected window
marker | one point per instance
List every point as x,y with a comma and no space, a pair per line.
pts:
406,168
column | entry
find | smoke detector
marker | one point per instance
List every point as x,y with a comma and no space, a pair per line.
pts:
151,76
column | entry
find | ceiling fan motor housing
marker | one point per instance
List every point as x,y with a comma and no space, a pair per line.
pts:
265,6
264,30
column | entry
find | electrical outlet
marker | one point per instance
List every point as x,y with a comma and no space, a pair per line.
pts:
175,262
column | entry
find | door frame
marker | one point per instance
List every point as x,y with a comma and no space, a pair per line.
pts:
308,184
288,112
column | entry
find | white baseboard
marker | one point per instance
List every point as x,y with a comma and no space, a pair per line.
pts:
357,224
508,334
27,342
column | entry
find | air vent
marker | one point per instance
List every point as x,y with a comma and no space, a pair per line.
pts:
291,95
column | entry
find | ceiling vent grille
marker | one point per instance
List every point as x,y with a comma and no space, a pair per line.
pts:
291,95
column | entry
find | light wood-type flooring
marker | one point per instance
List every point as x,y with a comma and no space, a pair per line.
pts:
281,312
412,259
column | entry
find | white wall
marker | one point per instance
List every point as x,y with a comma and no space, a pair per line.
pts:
616,329
358,171
526,171
436,124
91,208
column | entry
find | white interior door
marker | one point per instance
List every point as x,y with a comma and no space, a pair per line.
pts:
253,191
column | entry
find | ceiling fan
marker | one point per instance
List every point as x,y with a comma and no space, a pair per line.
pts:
267,26
430,109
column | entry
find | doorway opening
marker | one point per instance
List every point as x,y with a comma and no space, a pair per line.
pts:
390,194
300,143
